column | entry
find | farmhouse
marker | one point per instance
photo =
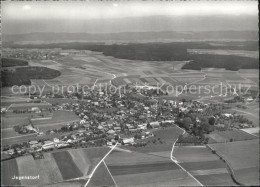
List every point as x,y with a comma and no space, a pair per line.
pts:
128,141
48,145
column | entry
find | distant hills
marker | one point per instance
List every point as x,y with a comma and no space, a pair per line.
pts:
131,36
155,28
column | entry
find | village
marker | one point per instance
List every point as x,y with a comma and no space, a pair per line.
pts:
128,118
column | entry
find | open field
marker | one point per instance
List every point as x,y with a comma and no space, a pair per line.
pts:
81,161
102,177
60,100
203,165
241,154
8,170
27,167
10,122
216,180
66,165
121,158
48,169
134,168
248,176
226,136
159,178
243,157
243,53
142,168
193,154
58,119
55,167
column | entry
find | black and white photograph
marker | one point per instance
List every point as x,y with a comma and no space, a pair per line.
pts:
117,93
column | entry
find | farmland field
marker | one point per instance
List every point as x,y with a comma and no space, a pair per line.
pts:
27,167
66,165
54,167
58,119
81,161
203,165
119,158
240,154
8,170
10,122
101,177
243,53
243,156
134,168
160,178
48,169
226,136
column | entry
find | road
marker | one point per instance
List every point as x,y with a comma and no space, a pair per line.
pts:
100,163
176,161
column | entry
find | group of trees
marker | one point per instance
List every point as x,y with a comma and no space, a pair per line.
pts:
22,75
229,62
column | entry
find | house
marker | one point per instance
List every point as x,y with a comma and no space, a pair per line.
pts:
128,141
228,115
111,132
56,140
117,128
33,142
48,145
155,124
10,151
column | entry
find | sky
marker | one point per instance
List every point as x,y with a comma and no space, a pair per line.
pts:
119,9
24,16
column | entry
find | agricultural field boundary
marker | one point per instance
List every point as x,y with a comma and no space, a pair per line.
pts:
110,173
230,169
90,176
176,162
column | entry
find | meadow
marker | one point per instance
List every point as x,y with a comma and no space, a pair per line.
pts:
203,165
229,135
145,169
55,167
243,157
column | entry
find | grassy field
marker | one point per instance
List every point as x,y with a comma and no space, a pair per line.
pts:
168,134
8,170
216,180
48,169
27,167
140,169
248,176
8,122
58,117
55,167
203,165
81,161
243,156
68,168
226,136
160,178
101,177
119,158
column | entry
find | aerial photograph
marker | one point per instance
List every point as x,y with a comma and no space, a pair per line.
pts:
129,93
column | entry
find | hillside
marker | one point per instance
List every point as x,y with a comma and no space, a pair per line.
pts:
131,36
7,62
22,75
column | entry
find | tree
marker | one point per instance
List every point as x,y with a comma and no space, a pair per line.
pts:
212,120
149,126
187,122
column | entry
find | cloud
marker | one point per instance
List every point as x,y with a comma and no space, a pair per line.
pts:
26,7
